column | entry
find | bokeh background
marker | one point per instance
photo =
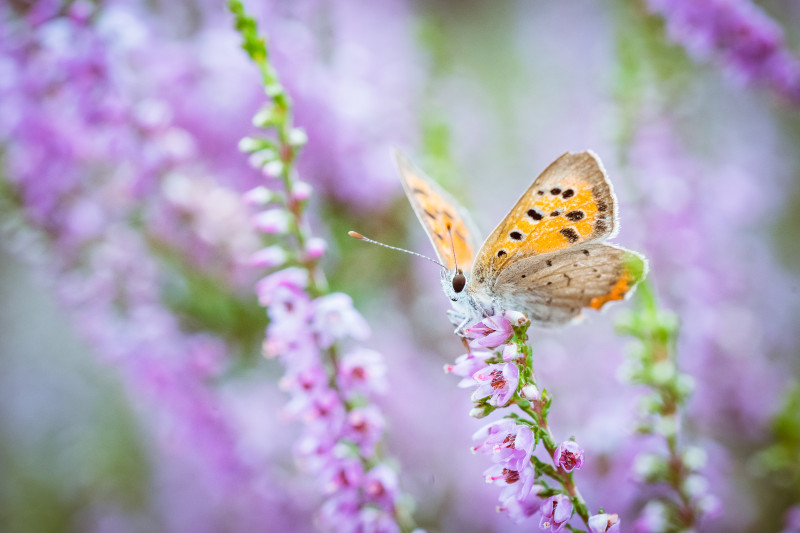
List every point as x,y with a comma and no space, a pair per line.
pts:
133,397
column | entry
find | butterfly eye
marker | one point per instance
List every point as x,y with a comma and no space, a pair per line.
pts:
459,281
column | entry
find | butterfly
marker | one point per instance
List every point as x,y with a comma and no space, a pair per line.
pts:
547,257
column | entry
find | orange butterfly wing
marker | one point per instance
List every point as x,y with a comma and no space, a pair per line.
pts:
445,222
569,204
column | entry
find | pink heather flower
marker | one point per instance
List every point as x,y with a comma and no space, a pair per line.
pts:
342,474
517,484
305,379
293,279
362,371
380,486
492,331
314,452
466,365
568,456
556,511
301,190
364,427
269,257
315,247
325,406
604,523
259,196
339,511
372,520
335,319
510,444
654,518
499,381
520,509
273,222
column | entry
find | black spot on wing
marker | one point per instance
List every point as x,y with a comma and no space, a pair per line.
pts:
569,193
517,236
575,215
555,213
570,234
535,215
602,206
555,191
549,263
501,253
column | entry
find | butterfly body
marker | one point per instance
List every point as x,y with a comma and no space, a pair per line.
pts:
546,258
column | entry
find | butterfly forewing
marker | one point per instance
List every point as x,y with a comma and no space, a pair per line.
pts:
440,215
569,204
552,289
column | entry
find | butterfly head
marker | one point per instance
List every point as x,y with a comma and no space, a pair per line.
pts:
454,283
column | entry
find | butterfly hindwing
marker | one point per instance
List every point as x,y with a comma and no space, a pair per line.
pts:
440,215
569,204
553,288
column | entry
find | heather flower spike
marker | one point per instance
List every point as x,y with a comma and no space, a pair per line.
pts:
503,378
315,333
676,473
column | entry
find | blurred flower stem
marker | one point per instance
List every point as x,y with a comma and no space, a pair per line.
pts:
332,380
653,363
277,155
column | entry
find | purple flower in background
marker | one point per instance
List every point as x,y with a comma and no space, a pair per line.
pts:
491,332
342,474
334,318
568,455
791,520
556,512
364,426
497,381
604,523
748,42
362,371
381,487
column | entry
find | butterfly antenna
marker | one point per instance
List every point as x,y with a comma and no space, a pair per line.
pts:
360,237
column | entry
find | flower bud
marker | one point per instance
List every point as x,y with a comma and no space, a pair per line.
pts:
269,257
531,392
273,222
315,247
301,190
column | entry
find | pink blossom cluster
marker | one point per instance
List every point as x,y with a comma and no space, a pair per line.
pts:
332,382
498,369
